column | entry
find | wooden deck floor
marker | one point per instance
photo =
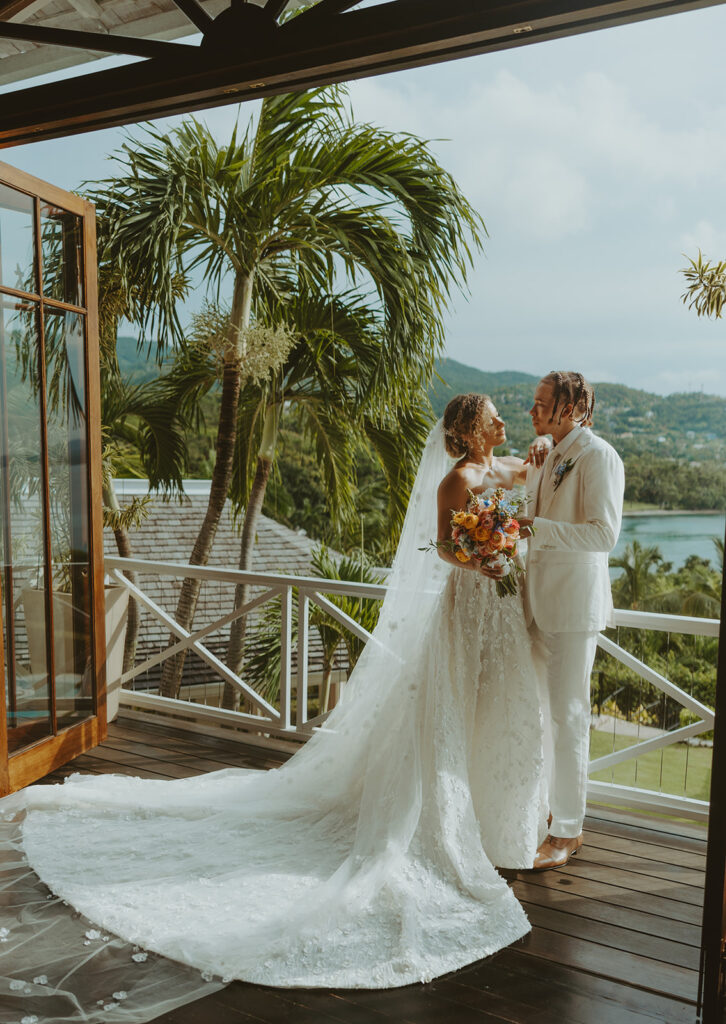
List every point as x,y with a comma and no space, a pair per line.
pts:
615,936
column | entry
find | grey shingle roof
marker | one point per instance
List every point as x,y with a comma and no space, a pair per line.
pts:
168,534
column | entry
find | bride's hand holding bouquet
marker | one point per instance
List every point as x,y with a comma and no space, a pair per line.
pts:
485,535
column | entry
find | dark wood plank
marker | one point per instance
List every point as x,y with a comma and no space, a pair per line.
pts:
201,759
299,1005
587,866
690,878
552,983
335,1004
675,835
636,971
655,946
605,840
100,766
127,759
524,998
188,742
609,891
419,1004
594,910
209,1011
124,750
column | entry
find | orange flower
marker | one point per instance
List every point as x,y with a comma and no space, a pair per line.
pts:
458,518
497,541
481,533
470,521
512,526
462,556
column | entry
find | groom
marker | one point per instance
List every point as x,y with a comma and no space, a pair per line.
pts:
576,502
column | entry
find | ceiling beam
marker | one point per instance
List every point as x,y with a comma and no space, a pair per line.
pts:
196,14
9,8
314,51
25,64
100,42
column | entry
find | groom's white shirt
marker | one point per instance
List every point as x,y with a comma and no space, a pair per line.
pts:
577,523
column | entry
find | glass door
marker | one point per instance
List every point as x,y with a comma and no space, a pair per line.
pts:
51,557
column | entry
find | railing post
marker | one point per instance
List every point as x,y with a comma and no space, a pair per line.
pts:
286,657
303,607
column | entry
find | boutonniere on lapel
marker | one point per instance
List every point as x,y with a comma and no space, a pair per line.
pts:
561,471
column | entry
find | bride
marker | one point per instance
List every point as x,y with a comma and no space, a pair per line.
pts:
368,859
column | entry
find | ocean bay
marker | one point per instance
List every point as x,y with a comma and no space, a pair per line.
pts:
677,534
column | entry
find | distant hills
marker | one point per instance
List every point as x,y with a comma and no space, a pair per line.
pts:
690,426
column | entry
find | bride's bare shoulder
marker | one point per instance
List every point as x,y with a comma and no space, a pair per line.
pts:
457,481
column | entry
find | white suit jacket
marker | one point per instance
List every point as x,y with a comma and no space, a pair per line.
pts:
577,523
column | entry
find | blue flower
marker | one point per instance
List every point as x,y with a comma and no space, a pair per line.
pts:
561,471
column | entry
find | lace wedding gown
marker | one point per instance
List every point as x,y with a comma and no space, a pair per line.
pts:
368,860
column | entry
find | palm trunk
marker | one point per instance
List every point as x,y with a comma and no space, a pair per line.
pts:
123,545
265,458
171,675
324,698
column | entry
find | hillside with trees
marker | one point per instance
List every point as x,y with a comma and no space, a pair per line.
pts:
673,448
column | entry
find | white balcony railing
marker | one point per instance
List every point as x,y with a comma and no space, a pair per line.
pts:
286,722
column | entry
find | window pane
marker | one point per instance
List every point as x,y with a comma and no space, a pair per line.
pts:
68,488
17,253
61,236
27,683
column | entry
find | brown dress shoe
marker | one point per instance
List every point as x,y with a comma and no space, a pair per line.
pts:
555,852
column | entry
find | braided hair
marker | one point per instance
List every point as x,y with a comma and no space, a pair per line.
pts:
570,388
466,417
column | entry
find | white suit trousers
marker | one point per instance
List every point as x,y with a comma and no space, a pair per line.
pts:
567,660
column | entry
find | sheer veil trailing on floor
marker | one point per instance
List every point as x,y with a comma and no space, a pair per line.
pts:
364,862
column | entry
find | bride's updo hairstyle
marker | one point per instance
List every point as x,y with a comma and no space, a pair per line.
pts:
466,418
570,388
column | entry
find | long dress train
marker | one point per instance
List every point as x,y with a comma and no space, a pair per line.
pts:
368,860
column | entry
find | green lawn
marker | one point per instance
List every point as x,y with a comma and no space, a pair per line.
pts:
645,772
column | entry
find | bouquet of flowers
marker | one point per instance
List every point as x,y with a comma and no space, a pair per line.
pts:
487,532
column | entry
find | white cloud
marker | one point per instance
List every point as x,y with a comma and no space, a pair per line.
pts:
707,237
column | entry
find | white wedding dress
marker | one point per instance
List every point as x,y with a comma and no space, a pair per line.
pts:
367,861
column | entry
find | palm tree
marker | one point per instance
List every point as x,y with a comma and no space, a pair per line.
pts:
364,610
303,194
327,382
706,286
263,662
143,435
639,581
700,591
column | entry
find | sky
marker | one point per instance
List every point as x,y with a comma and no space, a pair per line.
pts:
596,161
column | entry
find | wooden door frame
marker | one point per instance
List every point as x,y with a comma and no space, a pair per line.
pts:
51,752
